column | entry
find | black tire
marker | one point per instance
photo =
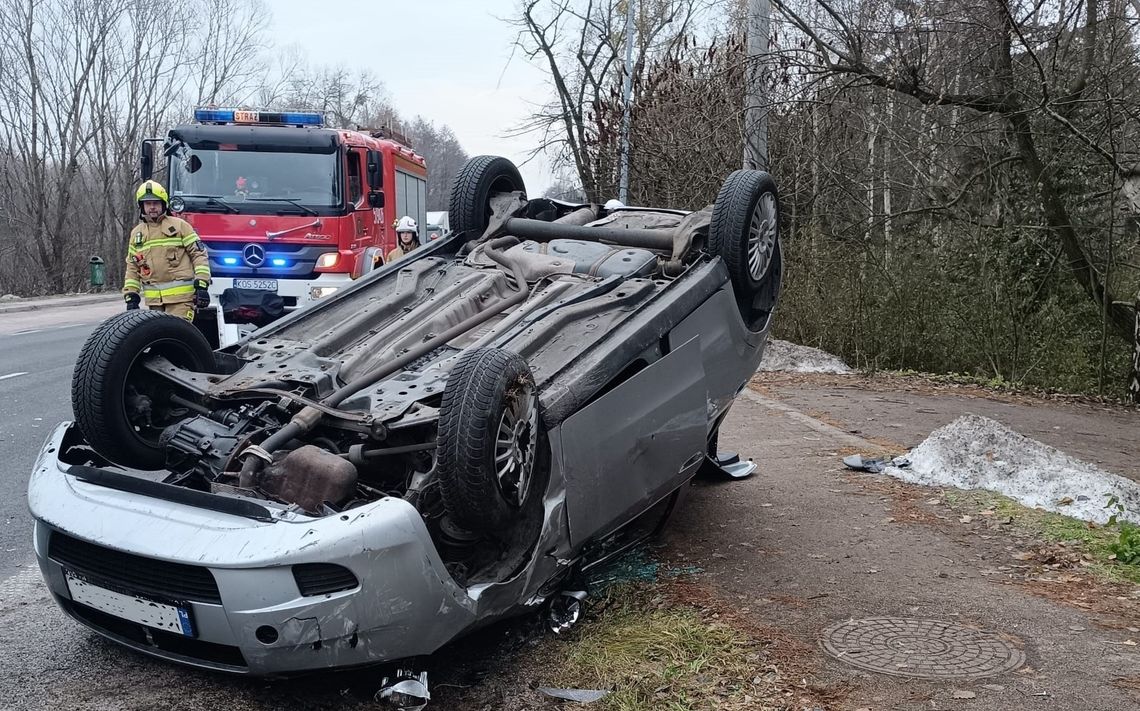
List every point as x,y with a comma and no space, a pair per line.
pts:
481,391
469,208
108,376
745,233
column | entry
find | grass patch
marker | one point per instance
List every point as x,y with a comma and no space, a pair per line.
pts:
1093,543
656,654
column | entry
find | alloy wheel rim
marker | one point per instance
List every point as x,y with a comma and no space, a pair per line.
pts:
516,441
762,236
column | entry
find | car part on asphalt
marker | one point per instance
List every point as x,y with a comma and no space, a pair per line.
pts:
440,445
582,696
726,465
874,466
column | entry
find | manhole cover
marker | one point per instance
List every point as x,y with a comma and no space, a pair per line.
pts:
927,649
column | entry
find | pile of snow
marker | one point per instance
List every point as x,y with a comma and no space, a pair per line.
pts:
790,357
975,452
9,297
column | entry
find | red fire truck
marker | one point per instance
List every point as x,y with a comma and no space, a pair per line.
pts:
289,210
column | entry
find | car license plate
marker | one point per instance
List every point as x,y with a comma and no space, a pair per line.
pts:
161,616
259,284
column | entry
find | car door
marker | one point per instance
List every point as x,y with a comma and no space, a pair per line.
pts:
634,445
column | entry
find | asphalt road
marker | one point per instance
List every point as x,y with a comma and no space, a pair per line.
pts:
37,352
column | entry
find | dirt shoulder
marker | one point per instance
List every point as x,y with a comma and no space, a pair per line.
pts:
806,544
903,410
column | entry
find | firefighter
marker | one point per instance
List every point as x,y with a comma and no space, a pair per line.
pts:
166,262
407,236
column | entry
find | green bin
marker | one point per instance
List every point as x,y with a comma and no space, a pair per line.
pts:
98,271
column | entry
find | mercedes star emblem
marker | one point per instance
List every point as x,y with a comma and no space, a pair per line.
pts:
254,255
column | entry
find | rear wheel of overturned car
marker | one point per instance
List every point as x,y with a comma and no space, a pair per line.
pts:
469,207
121,407
488,439
745,233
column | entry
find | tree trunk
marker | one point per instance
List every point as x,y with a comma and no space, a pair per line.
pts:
1134,386
1057,217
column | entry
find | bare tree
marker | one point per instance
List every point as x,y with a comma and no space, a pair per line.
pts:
579,43
49,54
227,61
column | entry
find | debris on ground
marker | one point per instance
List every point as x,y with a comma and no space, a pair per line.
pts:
9,297
860,463
582,696
974,452
794,358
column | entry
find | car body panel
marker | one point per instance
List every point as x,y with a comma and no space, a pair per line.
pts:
636,443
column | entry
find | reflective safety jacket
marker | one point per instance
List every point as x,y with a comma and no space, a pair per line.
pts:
163,260
397,252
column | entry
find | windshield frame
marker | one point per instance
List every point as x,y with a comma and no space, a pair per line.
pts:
273,205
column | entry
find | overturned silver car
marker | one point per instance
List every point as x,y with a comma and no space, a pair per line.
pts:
440,446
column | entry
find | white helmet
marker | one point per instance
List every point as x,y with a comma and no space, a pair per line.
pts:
613,204
407,224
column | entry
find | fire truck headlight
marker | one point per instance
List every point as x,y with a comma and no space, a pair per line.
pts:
327,260
318,292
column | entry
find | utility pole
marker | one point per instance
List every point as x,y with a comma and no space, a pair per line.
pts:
627,90
757,26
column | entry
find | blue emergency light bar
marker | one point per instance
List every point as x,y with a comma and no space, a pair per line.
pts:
278,262
229,261
273,118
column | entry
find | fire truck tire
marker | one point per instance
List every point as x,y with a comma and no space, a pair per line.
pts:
119,406
469,209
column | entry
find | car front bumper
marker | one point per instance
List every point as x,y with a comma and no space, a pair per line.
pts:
405,603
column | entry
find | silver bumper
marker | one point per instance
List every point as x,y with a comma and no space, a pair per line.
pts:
405,605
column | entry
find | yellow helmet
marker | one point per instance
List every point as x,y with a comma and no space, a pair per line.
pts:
152,190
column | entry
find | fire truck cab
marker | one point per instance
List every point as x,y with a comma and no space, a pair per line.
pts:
289,209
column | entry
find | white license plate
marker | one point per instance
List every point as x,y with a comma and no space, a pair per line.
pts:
260,284
170,618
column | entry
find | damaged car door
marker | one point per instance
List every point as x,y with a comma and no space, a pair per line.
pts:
636,443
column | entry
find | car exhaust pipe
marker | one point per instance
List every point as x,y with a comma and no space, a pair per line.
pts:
541,231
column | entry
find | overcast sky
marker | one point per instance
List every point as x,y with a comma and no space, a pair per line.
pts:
446,60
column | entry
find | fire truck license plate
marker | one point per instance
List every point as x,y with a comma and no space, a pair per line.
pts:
259,284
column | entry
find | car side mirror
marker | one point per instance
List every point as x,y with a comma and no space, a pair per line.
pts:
146,160
375,171
376,198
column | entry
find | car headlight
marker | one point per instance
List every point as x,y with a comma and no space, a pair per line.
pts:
318,292
328,259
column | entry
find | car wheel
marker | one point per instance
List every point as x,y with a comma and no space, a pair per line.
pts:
745,233
119,406
488,439
469,207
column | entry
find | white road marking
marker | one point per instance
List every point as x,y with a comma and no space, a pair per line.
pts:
12,375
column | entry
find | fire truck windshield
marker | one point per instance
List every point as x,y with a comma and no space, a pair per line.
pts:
256,182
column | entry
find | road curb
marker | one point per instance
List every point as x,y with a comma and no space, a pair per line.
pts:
37,304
